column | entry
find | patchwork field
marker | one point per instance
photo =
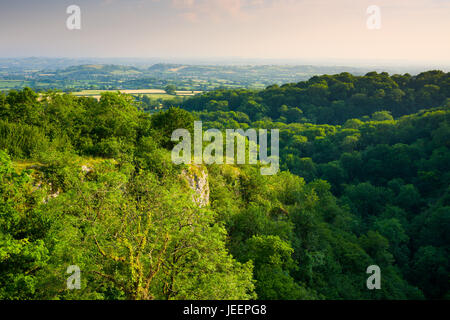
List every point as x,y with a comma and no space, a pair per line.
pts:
151,93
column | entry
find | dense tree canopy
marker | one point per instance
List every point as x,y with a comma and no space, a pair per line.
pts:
333,99
365,181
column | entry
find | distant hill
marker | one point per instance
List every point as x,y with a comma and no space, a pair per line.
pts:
101,74
95,69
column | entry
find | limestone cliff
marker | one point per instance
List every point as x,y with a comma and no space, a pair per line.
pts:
197,178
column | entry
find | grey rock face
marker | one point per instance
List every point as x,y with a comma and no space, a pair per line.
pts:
197,178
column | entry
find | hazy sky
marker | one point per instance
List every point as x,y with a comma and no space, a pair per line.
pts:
411,30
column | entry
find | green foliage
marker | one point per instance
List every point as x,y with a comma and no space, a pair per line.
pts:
170,89
362,187
23,227
165,123
333,99
388,178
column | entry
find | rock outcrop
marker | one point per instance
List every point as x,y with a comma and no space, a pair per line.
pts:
197,178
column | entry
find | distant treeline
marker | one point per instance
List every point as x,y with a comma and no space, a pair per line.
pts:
332,99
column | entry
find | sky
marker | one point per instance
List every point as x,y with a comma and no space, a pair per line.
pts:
412,31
